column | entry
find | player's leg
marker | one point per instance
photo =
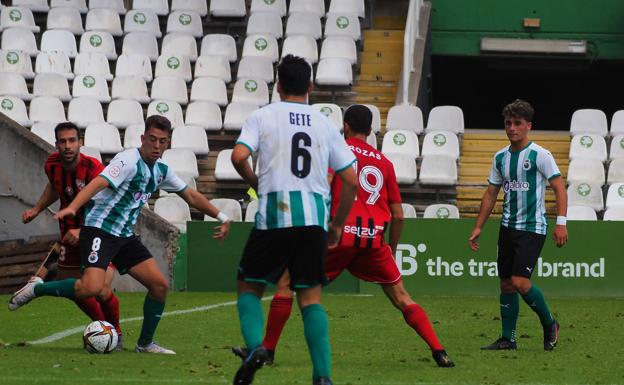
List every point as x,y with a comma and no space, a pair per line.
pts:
109,304
89,305
279,312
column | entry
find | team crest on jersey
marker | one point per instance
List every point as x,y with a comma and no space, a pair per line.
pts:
80,183
526,165
114,171
93,257
69,191
160,179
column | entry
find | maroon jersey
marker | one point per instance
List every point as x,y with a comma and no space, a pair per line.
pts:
370,215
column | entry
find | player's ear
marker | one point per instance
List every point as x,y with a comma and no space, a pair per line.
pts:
310,87
529,125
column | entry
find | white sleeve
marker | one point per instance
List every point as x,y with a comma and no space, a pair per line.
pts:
495,177
172,182
546,165
340,157
119,170
250,133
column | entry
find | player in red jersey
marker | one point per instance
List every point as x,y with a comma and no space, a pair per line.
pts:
68,172
362,249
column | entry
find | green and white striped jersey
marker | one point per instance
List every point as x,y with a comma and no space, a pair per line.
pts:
296,145
523,175
132,181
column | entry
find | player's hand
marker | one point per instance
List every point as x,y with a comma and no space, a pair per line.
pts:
29,215
560,235
221,231
71,237
66,212
333,235
473,241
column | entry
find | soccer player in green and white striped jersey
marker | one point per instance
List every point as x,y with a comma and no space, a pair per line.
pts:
522,169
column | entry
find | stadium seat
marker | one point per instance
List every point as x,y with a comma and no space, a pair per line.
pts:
214,67
581,213
227,206
252,209
45,130
588,146
47,109
586,170
134,65
404,167
332,111
339,48
236,114
105,20
228,8
586,194
615,195
204,114
408,211
51,85
224,169
614,214
302,46
179,44
198,6
371,139
15,109
17,17
33,5
123,113
343,25
186,178
446,118
617,147
116,5
17,62
174,210
80,5
84,111
616,171
334,72
92,152
314,6
67,18
265,23
304,24
18,39
253,91
92,64
170,110
261,45
347,6
132,135
190,137
186,22
376,123
405,117
160,7
438,170
589,121
12,84
441,211
55,63
130,87
98,42
142,20
617,123
177,66
59,41
219,45
440,143
275,97
141,43
182,161
209,90
103,136
401,142
252,67
92,86
276,6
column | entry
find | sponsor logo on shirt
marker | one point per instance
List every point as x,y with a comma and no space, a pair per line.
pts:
143,197
515,185
365,152
362,232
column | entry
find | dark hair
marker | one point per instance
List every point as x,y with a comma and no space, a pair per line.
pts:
519,109
294,75
159,122
66,126
359,118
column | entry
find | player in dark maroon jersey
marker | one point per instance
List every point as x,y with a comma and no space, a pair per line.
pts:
362,249
68,172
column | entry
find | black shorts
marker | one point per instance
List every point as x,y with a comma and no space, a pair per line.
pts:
99,248
518,252
301,250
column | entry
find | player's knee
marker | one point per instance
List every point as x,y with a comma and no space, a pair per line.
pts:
521,284
159,288
89,288
506,286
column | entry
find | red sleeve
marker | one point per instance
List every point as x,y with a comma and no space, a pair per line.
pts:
48,166
394,194
94,169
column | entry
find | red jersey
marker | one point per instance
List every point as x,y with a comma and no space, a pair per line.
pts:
378,187
67,184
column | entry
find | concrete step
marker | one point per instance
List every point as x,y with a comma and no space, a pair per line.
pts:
379,57
384,35
383,45
380,77
381,69
376,90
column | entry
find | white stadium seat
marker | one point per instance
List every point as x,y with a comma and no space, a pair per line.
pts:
236,114
15,109
227,206
12,84
55,63
261,45
376,123
204,114
130,87
33,5
253,91
51,85
339,48
104,19
347,6
134,65
17,62
255,67
116,5
614,214
191,138
214,67
581,213
304,24
199,6
316,7
219,45
132,135
275,97
178,66
405,117
59,41
85,111
224,169
617,147
181,160
209,90
187,22
103,136
47,109
250,212
343,25
45,130
67,18
142,20
334,72
408,211
616,171
228,8
371,139
586,194
186,178
141,43
404,167
588,146
92,86
302,46
92,64
617,123
441,211
160,7
440,143
438,170
586,170
589,121
17,17
80,5
92,152
179,44
276,6
615,196
446,118
265,23
170,110
98,42
332,111
123,113
18,39
400,142
174,210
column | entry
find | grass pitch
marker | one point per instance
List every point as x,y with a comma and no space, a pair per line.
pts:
371,344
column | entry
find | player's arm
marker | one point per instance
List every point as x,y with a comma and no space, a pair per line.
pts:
396,225
95,186
196,199
48,196
561,196
487,205
240,154
347,196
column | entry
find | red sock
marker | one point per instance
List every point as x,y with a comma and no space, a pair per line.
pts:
416,317
279,312
110,308
90,307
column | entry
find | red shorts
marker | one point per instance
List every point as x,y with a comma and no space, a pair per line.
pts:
370,265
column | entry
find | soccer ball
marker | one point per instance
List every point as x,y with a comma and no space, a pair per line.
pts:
100,337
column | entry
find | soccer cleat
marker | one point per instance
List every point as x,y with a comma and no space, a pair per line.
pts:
551,336
119,347
242,352
153,347
25,294
322,381
501,344
442,359
251,364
